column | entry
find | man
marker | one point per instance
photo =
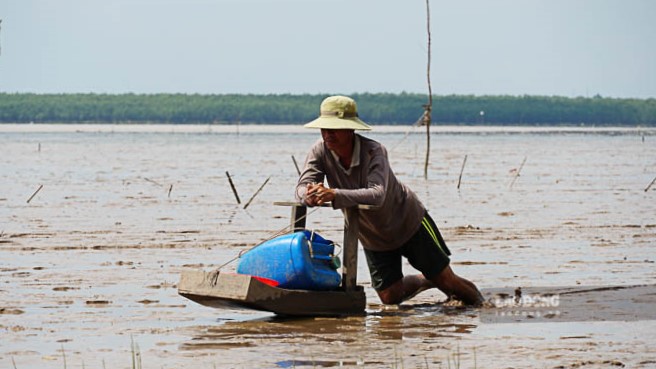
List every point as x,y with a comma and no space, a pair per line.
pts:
358,172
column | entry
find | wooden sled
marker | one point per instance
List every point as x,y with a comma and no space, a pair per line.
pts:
220,290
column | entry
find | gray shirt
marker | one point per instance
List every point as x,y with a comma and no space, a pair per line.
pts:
370,181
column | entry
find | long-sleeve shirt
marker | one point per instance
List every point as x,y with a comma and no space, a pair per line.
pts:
369,180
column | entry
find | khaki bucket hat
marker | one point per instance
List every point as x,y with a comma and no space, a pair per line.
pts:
338,112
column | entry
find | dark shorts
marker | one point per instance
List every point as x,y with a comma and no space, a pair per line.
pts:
426,251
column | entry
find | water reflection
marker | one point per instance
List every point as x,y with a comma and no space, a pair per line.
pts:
380,324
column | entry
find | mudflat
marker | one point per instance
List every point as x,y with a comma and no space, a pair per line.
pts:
90,264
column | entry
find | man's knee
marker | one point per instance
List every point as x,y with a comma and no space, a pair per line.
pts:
393,294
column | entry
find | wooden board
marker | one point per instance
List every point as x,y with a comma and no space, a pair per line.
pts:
219,290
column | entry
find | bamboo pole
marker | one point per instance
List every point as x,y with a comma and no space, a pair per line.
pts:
296,165
428,107
461,170
232,185
153,182
34,194
651,184
517,174
63,354
257,192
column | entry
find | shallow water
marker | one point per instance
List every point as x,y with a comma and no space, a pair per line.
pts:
91,263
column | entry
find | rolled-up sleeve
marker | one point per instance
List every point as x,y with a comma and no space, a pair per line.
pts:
377,182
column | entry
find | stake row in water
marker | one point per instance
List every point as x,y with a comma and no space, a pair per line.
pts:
234,190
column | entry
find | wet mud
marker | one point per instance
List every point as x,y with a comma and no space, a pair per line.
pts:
89,266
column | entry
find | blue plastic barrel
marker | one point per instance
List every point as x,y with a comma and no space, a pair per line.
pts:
294,262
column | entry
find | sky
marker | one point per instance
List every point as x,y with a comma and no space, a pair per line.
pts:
479,47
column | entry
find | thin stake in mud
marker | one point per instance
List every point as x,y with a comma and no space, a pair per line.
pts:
136,354
232,185
517,173
651,184
34,194
153,182
296,165
63,355
461,170
170,188
257,192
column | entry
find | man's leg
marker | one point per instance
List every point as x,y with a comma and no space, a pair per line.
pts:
447,281
453,285
404,289
428,253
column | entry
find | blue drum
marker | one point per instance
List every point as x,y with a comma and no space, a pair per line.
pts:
301,260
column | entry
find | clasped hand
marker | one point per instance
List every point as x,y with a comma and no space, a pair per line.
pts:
317,194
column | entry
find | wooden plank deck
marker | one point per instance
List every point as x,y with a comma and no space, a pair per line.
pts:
221,290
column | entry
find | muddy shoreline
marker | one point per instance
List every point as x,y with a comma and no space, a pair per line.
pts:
89,267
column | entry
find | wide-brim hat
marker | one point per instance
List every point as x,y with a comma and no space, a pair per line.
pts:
338,112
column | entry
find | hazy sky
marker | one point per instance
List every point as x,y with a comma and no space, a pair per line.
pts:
514,47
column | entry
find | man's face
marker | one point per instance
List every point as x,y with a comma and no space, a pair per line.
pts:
337,139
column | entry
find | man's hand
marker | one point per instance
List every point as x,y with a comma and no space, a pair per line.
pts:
317,194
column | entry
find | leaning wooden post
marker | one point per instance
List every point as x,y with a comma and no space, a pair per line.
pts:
351,231
517,173
257,192
232,185
41,186
462,170
650,184
298,170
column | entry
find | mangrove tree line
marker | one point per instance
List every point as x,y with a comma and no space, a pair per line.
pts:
376,108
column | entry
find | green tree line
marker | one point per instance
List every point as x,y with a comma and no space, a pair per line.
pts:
376,108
